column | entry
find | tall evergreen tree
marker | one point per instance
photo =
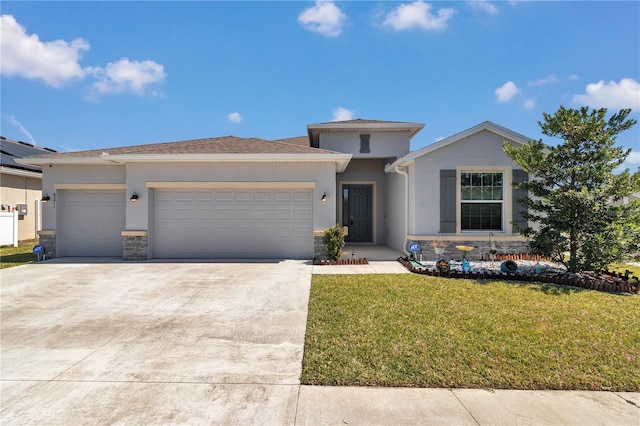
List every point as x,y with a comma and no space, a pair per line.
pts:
573,204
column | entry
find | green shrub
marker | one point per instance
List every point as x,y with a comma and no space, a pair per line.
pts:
334,240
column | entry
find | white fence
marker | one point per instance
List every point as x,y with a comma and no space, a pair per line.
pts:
9,229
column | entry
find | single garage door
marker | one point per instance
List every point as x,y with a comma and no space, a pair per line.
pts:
250,224
92,222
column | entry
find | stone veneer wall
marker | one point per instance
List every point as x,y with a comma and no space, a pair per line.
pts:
49,243
134,247
481,248
319,249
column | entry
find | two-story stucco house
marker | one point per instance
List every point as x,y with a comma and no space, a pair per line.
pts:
233,197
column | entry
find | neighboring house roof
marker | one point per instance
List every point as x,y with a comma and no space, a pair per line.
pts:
227,148
360,125
11,150
487,125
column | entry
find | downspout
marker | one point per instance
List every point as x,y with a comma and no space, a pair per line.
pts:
406,216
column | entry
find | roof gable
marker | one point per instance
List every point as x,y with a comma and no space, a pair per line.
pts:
485,126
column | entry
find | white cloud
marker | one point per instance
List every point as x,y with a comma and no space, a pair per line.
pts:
24,55
325,18
574,77
506,92
633,158
14,121
625,94
529,104
342,114
234,117
543,81
418,15
127,76
484,6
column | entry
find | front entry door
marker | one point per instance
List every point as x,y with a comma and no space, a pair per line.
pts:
357,212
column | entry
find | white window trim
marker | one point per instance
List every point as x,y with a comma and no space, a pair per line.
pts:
506,201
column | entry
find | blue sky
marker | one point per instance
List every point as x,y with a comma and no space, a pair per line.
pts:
85,75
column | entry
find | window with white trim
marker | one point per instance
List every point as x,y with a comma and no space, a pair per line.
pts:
481,201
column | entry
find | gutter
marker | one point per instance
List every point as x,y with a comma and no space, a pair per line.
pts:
341,160
406,198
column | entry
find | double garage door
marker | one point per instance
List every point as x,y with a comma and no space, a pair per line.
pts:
233,223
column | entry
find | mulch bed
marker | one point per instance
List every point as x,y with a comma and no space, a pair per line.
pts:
361,261
600,281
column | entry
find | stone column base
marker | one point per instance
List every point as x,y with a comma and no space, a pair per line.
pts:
134,245
319,249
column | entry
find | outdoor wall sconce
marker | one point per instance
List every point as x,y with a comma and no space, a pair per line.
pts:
324,198
134,197
45,198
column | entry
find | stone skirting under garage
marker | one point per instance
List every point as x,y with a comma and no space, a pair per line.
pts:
134,245
480,249
48,241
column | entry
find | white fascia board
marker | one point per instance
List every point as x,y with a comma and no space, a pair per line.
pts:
341,160
414,128
43,161
19,172
391,168
487,125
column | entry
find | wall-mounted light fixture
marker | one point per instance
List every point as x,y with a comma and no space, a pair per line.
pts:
324,198
45,198
134,197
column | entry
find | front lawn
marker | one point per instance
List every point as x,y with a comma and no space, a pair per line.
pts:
413,330
14,256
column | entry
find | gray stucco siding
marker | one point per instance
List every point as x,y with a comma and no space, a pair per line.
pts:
381,144
481,151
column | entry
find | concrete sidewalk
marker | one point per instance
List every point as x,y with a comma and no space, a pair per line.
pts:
406,406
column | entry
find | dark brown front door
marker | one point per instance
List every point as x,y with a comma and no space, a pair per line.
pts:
357,214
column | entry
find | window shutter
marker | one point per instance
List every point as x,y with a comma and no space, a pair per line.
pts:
448,213
518,221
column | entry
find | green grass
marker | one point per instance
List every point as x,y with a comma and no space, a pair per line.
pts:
412,330
621,267
14,256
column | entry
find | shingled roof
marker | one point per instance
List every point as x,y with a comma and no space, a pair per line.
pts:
220,145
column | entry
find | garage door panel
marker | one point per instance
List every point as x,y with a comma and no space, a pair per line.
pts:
234,223
302,196
92,222
302,213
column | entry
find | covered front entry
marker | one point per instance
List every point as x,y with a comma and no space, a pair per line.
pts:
357,212
91,223
233,223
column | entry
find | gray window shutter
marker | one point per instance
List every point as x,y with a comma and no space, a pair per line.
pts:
448,210
517,209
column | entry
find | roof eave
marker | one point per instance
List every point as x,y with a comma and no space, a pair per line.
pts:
20,172
42,161
412,128
341,160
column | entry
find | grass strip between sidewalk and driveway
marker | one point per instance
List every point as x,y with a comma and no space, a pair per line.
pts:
417,331
14,256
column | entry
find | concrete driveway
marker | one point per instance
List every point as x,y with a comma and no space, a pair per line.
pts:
115,342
